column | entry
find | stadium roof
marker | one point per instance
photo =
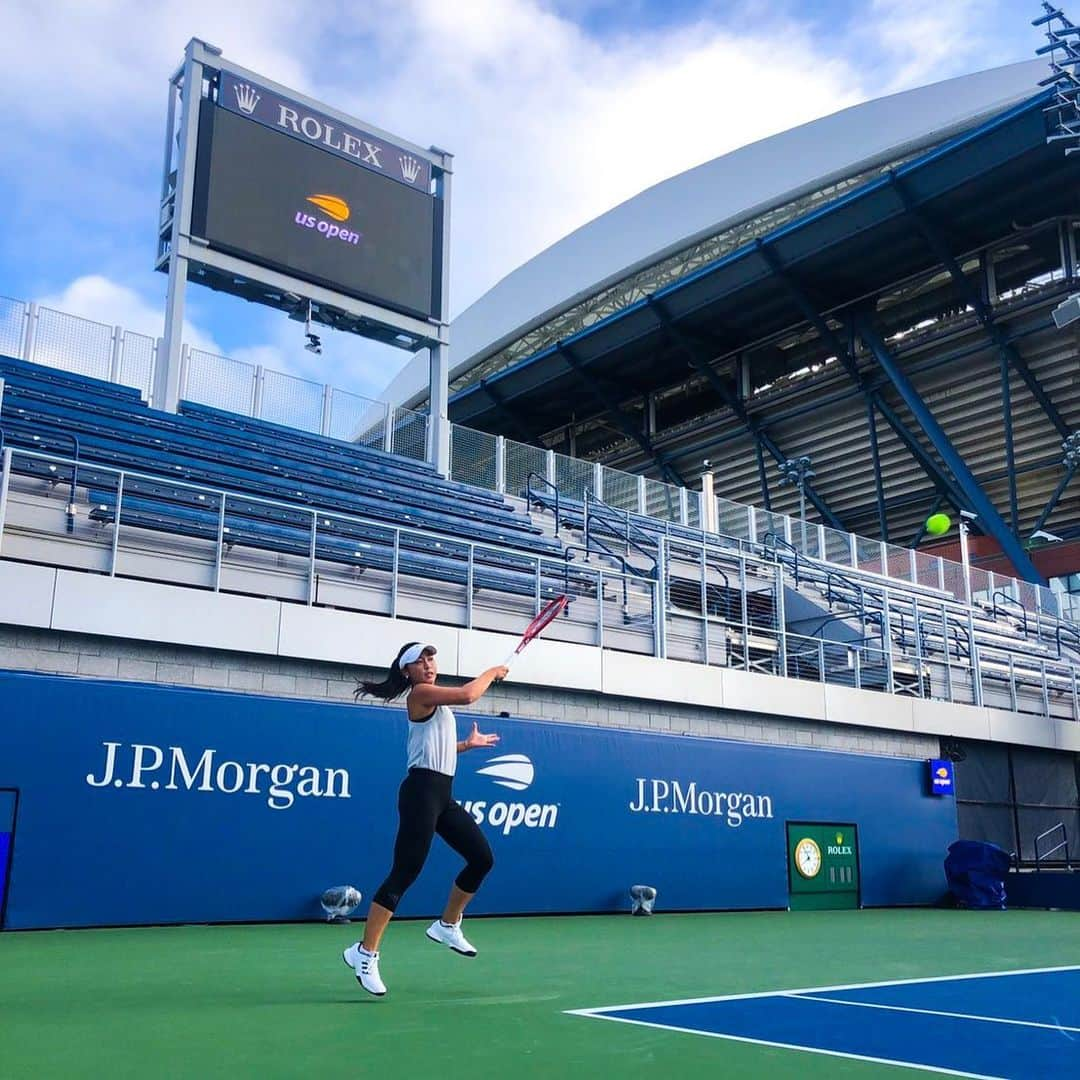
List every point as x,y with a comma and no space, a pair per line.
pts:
672,229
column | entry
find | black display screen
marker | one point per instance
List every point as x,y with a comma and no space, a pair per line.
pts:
283,203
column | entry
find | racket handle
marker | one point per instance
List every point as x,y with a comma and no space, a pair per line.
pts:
509,661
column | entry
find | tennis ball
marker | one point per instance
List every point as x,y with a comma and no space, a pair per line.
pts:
938,524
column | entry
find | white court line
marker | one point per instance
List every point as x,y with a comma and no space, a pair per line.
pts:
928,1012
594,1010
793,1046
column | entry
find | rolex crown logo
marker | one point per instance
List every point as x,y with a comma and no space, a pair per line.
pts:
246,97
410,168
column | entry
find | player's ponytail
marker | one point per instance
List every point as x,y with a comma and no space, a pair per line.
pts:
395,683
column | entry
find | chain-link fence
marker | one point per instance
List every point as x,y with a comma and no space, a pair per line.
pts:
620,490
1057,604
769,525
208,379
662,501
897,562
953,578
520,460
981,590
138,355
293,402
733,519
472,457
410,434
693,509
868,555
574,476
358,419
13,314
806,538
837,546
927,570
72,344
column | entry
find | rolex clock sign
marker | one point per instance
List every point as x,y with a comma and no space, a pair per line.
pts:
823,865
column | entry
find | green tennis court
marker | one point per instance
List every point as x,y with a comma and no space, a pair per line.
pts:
277,1001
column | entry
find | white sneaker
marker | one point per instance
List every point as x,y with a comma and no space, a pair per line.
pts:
450,935
366,967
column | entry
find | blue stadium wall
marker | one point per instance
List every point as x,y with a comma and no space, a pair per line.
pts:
141,805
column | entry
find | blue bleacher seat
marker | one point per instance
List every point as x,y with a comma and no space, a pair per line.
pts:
255,460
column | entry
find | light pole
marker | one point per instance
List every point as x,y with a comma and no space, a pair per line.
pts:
797,471
710,522
966,517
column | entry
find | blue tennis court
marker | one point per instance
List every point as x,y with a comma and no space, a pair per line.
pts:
1007,1025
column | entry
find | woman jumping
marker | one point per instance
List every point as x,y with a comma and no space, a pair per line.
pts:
426,805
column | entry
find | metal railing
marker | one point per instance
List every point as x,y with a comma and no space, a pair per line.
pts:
137,524
1042,856
339,556
42,335
531,493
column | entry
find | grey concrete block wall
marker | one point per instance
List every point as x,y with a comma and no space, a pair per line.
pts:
51,652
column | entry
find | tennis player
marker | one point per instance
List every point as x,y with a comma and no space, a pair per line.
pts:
426,804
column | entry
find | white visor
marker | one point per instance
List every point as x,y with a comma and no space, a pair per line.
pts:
410,656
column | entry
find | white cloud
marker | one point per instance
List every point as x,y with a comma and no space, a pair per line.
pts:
97,298
551,124
103,65
916,39
346,361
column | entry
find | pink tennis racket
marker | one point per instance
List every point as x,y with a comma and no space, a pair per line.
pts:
547,616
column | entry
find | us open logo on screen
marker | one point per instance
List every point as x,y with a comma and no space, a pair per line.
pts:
333,207
516,772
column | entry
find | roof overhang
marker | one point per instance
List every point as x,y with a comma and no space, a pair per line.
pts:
974,186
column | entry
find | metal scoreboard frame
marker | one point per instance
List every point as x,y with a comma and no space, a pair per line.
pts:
186,256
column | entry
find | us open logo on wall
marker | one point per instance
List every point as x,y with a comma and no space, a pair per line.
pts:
941,776
513,771
517,773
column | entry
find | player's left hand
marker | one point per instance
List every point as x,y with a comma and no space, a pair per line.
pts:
475,739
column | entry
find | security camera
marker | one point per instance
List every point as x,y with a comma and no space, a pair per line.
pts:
1042,534
1068,311
968,515
314,344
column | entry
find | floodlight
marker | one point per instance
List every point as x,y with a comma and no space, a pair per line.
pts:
1068,311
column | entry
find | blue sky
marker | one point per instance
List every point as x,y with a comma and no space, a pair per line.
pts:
550,108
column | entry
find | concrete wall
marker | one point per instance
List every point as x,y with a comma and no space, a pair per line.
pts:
51,652
68,622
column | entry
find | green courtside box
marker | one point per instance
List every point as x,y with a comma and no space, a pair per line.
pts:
823,865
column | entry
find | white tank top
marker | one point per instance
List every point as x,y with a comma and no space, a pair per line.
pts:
433,742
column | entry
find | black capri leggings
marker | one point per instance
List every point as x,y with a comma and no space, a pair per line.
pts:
426,807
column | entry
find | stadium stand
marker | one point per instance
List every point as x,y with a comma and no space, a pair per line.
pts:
218,500
262,490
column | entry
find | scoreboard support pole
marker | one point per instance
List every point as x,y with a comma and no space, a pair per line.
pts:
185,89
438,449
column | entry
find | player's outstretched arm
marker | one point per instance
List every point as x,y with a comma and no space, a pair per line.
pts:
430,695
